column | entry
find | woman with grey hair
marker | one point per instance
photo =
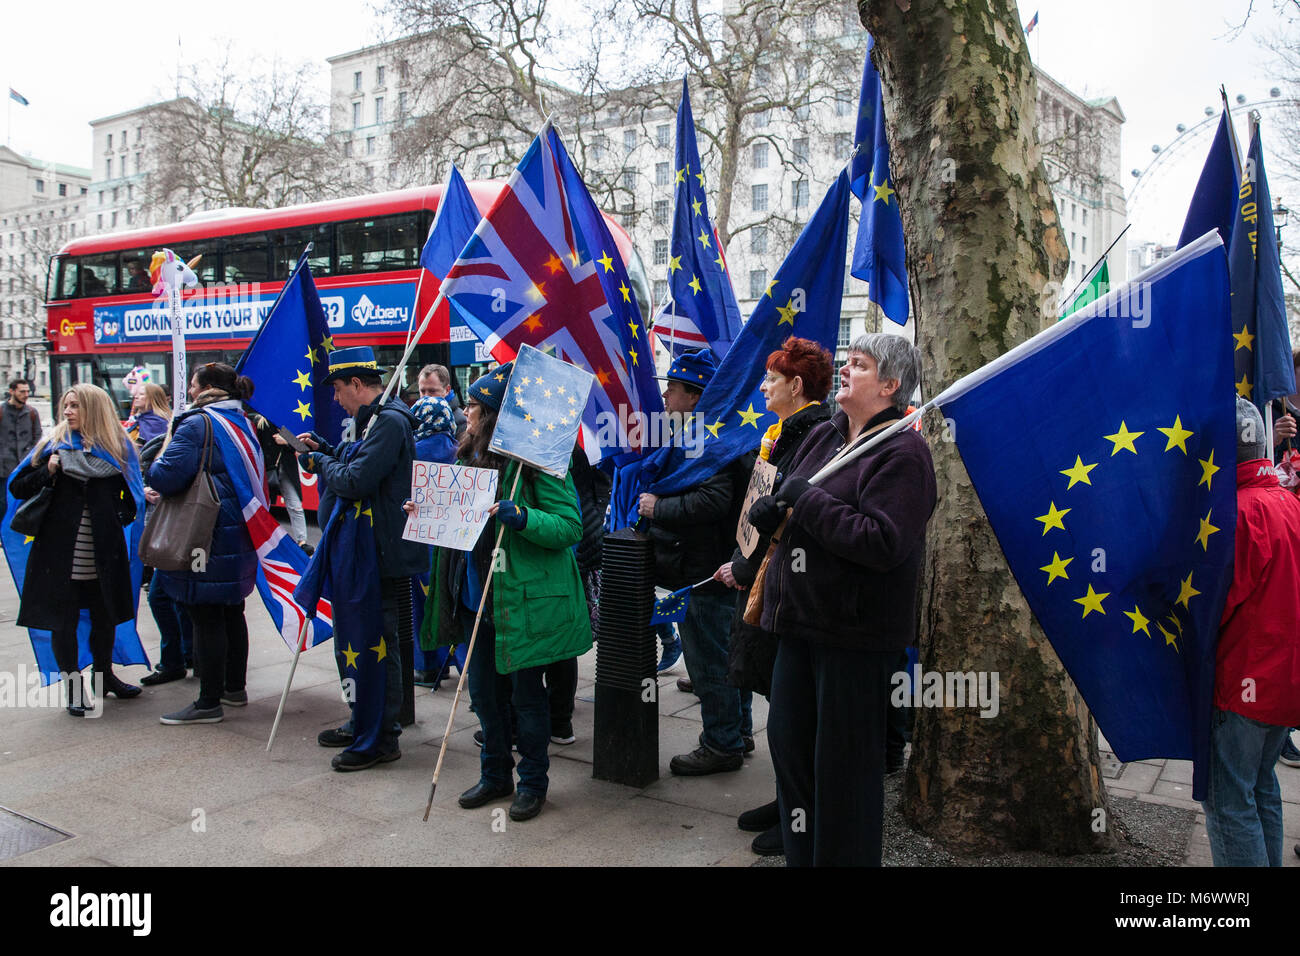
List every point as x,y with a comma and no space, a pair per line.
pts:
840,592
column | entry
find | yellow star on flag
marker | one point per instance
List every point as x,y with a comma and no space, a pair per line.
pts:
749,416
528,417
634,327
1244,388
771,284
694,284
327,344
700,177
351,656
1177,435
1169,638
550,426
1077,473
1053,518
1207,529
606,261
1208,468
788,312
714,428
537,433
704,238
1140,620
381,649
368,514
1123,440
311,355
1092,601
632,352
695,205
625,290
304,410
722,263
553,264
1244,338
681,175
1057,568
1187,592
883,192
28,539
356,510
674,263
303,379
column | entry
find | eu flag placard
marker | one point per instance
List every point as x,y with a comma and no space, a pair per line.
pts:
671,607
542,411
1117,511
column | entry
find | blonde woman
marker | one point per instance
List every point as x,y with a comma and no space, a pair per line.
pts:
151,414
78,557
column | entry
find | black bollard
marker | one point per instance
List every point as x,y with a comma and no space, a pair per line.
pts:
406,647
627,694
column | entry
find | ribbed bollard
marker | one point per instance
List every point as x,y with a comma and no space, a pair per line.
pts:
627,707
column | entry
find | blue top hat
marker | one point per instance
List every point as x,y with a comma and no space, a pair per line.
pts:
344,363
692,368
491,387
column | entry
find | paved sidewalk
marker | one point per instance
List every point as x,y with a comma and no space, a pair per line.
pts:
130,791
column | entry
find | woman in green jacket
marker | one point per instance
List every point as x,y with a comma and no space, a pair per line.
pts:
535,614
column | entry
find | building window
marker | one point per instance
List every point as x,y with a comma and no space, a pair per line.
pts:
139,133
347,149
370,146
661,252
401,106
598,146
661,212
758,197
121,164
763,119
629,139
843,145
137,162
63,189
801,112
843,102
356,81
762,75
661,290
101,197
40,185
1083,248
130,191
379,110
757,283
110,140
356,115
758,239
801,151
629,179
112,219
759,155
379,76
115,191
130,215
845,334
661,136
108,169
1084,211
801,194
661,174
99,221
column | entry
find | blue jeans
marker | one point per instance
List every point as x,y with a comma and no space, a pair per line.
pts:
174,626
493,694
1243,805
706,636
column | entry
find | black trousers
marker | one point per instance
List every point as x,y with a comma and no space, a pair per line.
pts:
826,730
561,687
220,649
63,639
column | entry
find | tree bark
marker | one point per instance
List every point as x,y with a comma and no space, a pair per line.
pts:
984,246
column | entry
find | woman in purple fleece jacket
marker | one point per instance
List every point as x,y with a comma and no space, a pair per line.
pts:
840,593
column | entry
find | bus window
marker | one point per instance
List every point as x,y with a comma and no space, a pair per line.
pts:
206,270
373,245
98,274
246,259
135,271
65,277
289,244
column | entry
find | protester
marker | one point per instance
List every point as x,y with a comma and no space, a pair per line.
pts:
693,532
375,467
282,476
20,427
798,378
534,616
1257,664
435,435
79,556
213,594
151,414
435,382
840,591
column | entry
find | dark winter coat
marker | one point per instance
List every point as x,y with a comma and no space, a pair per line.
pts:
49,563
694,532
859,537
380,472
231,569
593,487
280,460
20,430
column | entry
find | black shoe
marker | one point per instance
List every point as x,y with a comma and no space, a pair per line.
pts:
749,745
75,689
685,686
483,793
119,688
768,843
703,761
563,733
760,818
350,760
159,676
426,679
526,806
308,549
335,737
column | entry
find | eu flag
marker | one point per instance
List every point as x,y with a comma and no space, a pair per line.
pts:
288,358
453,224
1117,513
1261,341
1214,203
702,310
671,608
878,257
803,299
542,411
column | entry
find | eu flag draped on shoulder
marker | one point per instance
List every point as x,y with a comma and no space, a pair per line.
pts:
127,648
701,311
1263,368
1117,513
542,270
288,359
1214,203
802,299
878,257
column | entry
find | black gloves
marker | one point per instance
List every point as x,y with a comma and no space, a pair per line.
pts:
792,490
765,514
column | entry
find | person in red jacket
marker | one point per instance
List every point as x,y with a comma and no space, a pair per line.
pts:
1257,667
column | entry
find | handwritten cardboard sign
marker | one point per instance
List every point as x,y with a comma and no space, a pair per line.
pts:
760,483
451,504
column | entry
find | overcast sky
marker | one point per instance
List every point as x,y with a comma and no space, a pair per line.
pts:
1163,60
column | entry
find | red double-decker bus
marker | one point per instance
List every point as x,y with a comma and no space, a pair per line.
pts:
102,319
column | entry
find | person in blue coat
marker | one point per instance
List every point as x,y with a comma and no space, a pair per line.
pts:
435,433
213,595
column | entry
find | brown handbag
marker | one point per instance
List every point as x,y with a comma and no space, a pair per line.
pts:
179,528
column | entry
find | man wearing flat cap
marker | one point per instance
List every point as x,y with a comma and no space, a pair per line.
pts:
375,467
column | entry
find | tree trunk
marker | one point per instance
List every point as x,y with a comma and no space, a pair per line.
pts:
984,246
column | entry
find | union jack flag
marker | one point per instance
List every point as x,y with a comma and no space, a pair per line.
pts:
542,270
280,561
